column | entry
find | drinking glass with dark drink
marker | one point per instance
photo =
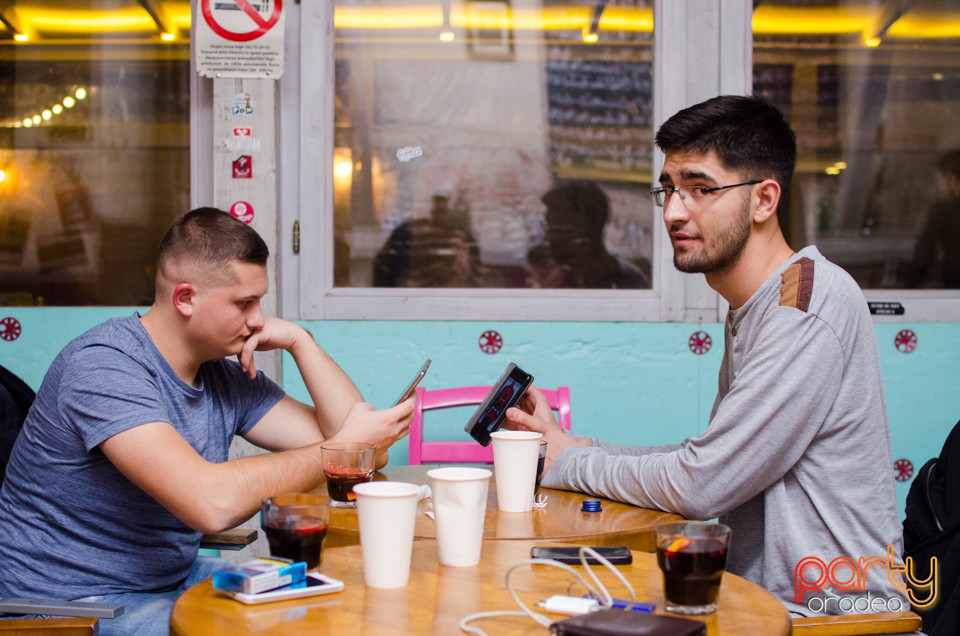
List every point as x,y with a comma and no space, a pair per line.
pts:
345,465
692,556
295,525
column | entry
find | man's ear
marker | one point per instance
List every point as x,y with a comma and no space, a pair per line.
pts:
183,295
768,198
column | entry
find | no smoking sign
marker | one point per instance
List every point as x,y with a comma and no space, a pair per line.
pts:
227,16
240,38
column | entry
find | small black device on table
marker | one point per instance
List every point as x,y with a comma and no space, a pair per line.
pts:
617,555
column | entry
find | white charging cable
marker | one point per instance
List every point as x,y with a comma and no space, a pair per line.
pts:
600,593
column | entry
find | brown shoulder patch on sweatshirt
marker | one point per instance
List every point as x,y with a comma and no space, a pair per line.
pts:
796,284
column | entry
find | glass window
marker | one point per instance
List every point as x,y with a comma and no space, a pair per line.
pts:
493,144
94,146
873,93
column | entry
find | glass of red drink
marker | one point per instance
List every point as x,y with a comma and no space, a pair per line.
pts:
295,525
345,465
692,556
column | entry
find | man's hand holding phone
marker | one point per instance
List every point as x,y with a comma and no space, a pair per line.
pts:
381,428
534,414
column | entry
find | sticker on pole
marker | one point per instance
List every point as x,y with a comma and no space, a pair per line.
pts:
243,167
240,38
243,211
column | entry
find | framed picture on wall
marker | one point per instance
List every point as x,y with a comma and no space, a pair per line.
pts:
489,32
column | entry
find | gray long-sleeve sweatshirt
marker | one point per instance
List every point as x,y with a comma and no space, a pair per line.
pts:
796,458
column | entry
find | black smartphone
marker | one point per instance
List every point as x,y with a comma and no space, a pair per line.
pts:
615,554
493,410
413,383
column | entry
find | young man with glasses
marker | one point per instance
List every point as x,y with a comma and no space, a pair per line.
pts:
796,457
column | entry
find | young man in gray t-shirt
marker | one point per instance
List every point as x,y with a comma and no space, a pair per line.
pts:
123,464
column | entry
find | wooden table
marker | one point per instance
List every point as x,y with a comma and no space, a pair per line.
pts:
560,520
438,597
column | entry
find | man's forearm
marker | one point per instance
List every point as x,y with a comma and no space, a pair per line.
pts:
330,388
234,492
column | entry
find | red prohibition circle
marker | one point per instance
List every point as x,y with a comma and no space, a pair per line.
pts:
906,341
9,329
262,25
902,469
490,341
700,342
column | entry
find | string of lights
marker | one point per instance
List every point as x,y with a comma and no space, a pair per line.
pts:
49,113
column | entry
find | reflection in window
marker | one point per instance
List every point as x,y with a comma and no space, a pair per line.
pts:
94,147
493,143
873,93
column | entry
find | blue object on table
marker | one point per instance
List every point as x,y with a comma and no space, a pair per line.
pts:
622,603
590,505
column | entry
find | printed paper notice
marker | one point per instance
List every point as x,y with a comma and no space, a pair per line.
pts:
240,38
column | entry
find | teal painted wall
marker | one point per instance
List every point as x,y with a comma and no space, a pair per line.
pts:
637,383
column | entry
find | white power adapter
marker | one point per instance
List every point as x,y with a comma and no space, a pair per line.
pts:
570,605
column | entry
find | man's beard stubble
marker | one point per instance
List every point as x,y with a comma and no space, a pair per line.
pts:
729,248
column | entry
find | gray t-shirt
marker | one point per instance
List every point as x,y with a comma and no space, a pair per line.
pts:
796,458
73,525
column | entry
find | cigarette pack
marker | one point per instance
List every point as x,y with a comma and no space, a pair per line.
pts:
260,575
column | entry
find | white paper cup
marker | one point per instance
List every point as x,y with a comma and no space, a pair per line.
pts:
386,512
459,506
515,455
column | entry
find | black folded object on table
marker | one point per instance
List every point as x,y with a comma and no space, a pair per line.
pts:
617,622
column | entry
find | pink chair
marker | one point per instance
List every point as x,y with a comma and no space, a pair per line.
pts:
469,451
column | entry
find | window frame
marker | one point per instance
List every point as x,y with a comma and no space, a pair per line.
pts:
709,46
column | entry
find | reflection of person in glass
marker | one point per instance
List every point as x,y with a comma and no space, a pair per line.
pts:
577,211
937,244
438,251
542,271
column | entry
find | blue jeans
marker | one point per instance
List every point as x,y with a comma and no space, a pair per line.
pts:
148,614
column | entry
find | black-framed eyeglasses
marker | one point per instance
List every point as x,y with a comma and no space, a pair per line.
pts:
695,195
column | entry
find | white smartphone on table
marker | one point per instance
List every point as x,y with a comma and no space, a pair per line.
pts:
316,583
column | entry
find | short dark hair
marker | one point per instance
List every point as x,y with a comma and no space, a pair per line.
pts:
749,135
949,164
580,203
212,237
